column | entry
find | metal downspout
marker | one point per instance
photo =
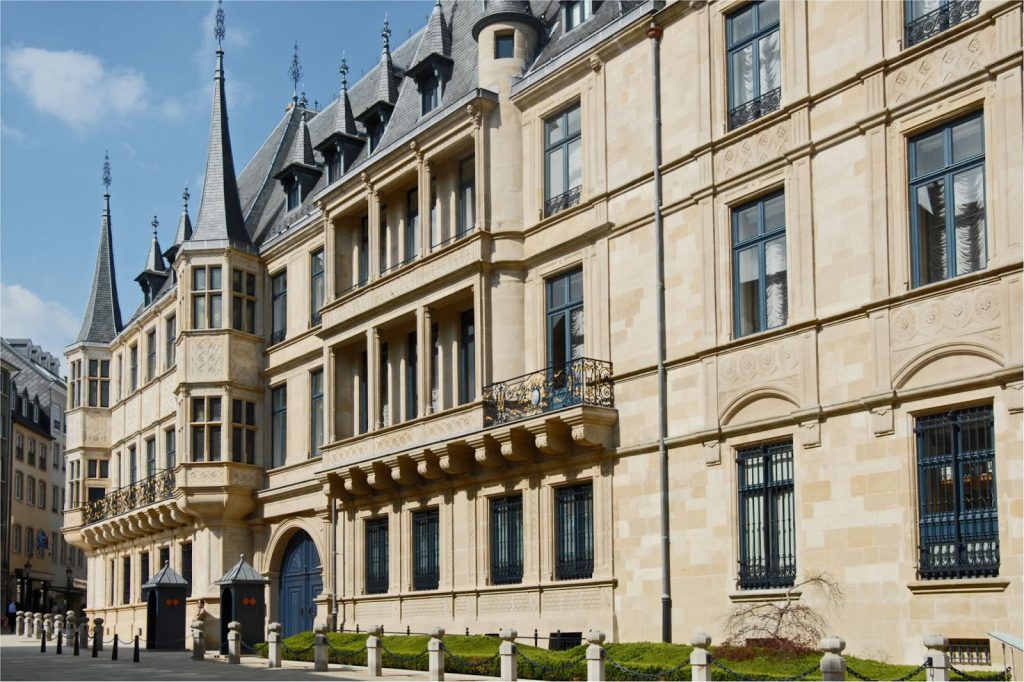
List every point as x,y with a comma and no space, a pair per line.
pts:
654,33
334,561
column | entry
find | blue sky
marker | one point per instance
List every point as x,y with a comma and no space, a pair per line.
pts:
134,78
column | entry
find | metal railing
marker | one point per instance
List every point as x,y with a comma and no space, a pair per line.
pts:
277,336
938,20
563,201
755,108
158,487
583,381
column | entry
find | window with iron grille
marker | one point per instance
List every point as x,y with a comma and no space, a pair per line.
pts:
426,554
755,66
507,540
563,160
970,652
766,512
574,532
377,555
947,195
926,18
958,524
186,565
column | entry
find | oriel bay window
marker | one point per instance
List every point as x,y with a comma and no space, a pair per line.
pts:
278,425
206,426
426,570
760,287
574,532
206,297
947,195
563,161
958,521
507,540
755,69
316,412
377,555
316,286
243,301
767,531
243,431
278,307
99,383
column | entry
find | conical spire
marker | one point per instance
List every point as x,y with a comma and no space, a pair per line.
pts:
155,259
302,148
437,38
102,319
220,210
344,120
387,89
184,232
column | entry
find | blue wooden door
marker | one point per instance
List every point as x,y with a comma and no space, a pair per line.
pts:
301,583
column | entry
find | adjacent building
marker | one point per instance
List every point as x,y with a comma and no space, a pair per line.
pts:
413,362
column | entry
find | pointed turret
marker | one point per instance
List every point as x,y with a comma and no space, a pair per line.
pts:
300,171
342,143
154,274
102,320
220,211
376,116
506,11
436,40
184,232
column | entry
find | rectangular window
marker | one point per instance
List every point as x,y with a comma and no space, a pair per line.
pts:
576,12
92,468
412,226
150,457
574,532
243,301
563,161
113,582
435,365
41,498
30,498
165,557
133,365
19,485
384,386
279,307
504,45
316,412
754,64
133,465
99,383
426,570
243,431
958,520
126,581
430,93
507,540
31,452
467,181
316,286
55,498
19,446
119,366
382,240
150,355
333,165
144,568
278,425
170,341
377,556
186,565
565,324
170,456
206,429
104,468
767,555
947,190
364,251
926,18
206,297
293,194
411,371
364,393
42,456
760,285
16,539
467,358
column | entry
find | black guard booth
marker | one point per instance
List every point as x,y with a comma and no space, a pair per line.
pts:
242,599
165,596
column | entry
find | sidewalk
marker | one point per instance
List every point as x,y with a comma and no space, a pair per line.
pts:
20,659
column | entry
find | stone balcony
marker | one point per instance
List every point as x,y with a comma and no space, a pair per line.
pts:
546,414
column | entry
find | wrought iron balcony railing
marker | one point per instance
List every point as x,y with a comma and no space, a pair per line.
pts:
277,336
939,20
562,201
755,108
762,574
158,487
583,381
315,318
972,555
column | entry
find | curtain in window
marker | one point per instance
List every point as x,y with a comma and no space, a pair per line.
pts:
775,282
969,220
918,8
743,76
576,333
770,66
931,219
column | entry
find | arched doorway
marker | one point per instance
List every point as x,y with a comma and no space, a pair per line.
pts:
301,582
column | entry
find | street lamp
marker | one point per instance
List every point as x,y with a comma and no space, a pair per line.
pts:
67,590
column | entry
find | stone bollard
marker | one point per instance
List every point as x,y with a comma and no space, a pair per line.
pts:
97,634
320,648
435,654
83,633
70,626
30,625
37,626
595,656
938,646
274,645
58,625
48,626
20,622
374,654
700,658
507,652
833,665
234,642
198,641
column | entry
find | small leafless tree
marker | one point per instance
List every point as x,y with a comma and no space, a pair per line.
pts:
793,620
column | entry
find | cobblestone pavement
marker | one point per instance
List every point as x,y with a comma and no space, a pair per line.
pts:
20,659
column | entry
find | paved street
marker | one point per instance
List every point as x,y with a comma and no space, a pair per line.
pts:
20,659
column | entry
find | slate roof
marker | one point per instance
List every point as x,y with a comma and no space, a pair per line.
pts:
35,380
183,234
155,258
241,573
102,320
165,576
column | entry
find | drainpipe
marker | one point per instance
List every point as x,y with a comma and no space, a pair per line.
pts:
654,33
334,561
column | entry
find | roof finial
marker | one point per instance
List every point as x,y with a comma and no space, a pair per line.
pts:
218,31
155,224
296,73
343,70
106,173
386,33
185,195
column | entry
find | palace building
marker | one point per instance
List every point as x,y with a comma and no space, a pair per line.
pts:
574,315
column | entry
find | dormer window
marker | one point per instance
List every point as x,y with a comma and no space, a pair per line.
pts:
504,45
374,130
333,165
578,11
430,93
293,195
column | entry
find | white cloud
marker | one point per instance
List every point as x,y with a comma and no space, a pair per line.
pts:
23,314
11,132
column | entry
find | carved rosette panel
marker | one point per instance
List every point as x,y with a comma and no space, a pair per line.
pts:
207,356
775,364
755,151
918,326
245,478
95,431
939,67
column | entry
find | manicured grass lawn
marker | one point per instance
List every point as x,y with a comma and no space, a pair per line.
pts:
478,655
